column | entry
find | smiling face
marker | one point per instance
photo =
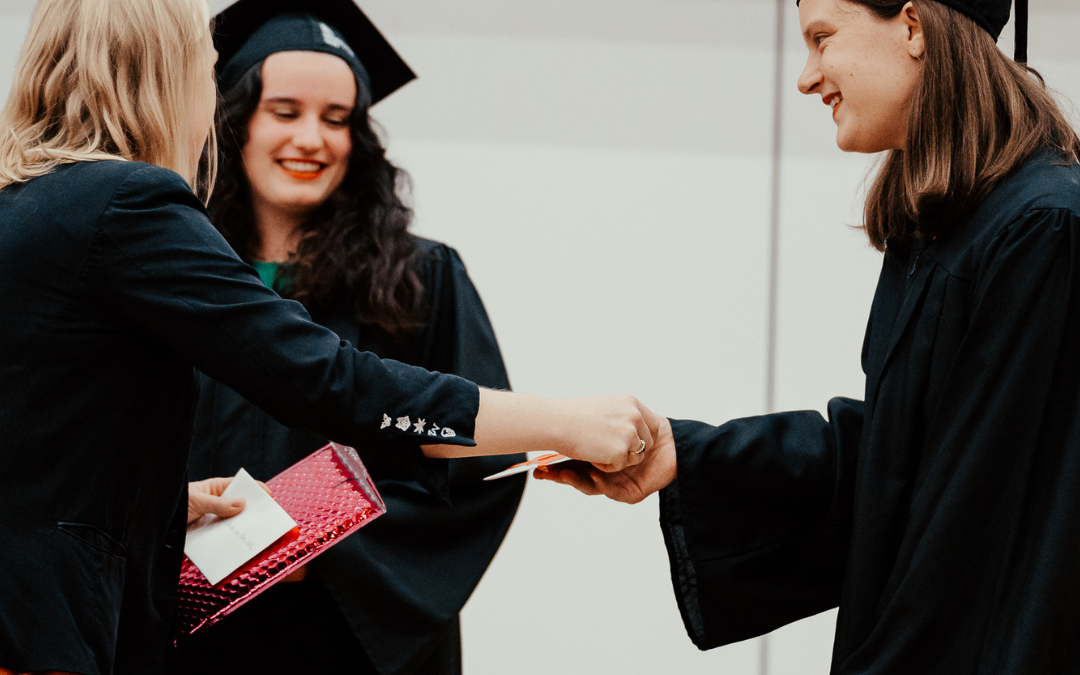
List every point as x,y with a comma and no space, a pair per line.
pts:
298,142
865,68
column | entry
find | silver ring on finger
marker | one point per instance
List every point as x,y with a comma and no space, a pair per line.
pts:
641,447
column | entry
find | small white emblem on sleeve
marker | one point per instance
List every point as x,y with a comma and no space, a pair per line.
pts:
403,423
434,430
419,426
386,421
447,432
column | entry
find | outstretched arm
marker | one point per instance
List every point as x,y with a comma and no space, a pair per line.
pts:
167,272
604,430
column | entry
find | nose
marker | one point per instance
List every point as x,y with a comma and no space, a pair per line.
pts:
307,135
811,76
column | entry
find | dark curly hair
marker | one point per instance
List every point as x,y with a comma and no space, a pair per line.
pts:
355,247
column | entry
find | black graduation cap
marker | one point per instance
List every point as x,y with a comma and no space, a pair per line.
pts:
251,30
993,15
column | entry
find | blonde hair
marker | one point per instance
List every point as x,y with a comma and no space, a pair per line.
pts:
108,80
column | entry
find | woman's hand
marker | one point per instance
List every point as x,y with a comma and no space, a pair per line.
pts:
204,497
606,431
632,484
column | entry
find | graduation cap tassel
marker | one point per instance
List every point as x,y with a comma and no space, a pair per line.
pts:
1021,32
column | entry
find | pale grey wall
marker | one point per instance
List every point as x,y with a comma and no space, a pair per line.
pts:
605,167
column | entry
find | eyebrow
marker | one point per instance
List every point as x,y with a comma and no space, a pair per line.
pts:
813,27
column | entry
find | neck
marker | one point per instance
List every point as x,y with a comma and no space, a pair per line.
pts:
279,233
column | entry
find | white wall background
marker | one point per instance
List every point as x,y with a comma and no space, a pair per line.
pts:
605,168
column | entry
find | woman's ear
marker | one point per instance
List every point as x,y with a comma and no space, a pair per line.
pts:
909,15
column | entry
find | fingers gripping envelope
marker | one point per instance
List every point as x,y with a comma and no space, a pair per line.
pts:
219,546
319,500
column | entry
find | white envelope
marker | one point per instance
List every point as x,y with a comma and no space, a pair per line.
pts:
219,546
542,460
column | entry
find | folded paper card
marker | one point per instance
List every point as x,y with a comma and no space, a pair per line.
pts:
218,546
542,460
328,494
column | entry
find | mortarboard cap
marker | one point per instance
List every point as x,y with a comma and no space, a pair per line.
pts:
992,15
251,30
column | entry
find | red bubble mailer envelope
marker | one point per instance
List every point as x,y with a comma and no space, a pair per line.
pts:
329,495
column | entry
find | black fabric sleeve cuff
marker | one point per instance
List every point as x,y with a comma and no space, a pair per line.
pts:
683,575
749,523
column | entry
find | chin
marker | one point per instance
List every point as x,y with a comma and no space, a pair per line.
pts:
303,195
847,142
304,204
863,143
860,145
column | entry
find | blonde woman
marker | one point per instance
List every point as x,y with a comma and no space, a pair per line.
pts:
113,285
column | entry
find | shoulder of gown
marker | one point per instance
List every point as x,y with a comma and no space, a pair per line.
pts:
458,336
1043,186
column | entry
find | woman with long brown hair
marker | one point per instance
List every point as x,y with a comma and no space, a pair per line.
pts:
114,286
940,513
306,195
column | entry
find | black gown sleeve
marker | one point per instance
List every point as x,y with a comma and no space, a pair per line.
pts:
169,272
757,521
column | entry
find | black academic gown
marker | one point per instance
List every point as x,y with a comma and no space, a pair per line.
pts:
942,515
113,285
400,582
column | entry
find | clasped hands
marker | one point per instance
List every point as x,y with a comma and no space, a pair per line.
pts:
632,482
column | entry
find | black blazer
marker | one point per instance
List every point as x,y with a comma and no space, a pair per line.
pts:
113,285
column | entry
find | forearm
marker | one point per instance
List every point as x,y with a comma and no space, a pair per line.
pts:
609,431
509,423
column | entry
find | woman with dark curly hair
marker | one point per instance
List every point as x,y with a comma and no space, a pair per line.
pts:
306,195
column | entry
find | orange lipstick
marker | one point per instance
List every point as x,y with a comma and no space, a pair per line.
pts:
302,175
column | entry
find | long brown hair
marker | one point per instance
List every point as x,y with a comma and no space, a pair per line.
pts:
355,249
976,115
106,80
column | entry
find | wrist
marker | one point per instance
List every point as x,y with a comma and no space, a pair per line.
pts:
512,422
558,425
669,465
